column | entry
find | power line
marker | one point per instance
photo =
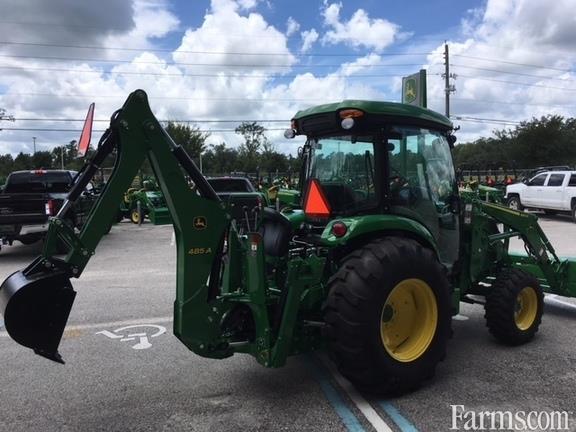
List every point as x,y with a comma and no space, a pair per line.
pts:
172,63
513,73
103,130
161,121
509,103
123,97
513,63
517,83
486,120
184,74
286,54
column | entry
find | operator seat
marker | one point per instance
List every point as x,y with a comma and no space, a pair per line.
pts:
340,196
276,232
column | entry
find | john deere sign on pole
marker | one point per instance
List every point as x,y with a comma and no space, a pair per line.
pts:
414,89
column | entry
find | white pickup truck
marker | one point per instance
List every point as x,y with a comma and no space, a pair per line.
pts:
551,191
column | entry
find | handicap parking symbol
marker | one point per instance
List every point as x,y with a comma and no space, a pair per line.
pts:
140,333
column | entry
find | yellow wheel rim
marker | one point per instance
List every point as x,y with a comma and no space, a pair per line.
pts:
526,308
408,320
135,217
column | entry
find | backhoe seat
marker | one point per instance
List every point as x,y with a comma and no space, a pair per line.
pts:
276,232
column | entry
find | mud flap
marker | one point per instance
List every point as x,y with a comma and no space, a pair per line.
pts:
35,310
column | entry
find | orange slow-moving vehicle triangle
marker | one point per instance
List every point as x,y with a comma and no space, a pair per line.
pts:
316,204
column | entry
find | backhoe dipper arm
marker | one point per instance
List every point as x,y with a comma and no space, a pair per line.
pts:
36,301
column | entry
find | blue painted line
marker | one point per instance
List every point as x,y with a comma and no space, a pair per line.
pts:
402,422
346,415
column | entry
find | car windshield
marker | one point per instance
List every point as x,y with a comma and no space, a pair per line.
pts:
230,185
38,181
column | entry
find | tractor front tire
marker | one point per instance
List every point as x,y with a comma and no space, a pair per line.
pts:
514,307
388,316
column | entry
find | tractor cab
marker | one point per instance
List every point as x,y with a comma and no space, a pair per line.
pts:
380,158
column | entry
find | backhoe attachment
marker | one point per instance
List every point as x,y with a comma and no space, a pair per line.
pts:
36,302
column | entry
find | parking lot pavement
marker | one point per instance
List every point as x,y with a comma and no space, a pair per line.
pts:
126,371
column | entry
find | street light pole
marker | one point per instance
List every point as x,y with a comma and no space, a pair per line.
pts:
34,141
62,156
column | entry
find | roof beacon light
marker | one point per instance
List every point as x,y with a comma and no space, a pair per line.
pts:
315,204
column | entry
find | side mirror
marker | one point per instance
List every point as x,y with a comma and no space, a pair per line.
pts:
451,140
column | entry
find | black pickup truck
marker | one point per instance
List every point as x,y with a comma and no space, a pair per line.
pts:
29,198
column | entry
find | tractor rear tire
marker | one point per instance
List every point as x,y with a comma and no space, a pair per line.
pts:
388,316
514,307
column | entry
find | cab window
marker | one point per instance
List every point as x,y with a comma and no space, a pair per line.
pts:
345,168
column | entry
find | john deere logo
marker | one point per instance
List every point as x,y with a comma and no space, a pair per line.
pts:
410,90
200,223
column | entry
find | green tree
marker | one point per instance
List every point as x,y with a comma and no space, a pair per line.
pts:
254,139
549,140
220,159
190,137
23,161
6,164
42,159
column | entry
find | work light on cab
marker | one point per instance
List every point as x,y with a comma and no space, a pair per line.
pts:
348,116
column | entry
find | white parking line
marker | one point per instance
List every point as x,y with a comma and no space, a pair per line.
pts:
554,300
110,324
362,404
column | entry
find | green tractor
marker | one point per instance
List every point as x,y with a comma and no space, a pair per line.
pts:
147,201
372,267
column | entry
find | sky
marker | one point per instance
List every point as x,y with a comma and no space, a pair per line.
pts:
216,63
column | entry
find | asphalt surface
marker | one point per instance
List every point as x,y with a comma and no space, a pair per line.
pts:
108,384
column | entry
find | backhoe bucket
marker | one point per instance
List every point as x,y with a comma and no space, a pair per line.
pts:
35,310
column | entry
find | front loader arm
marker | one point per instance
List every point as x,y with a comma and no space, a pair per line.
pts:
540,250
36,301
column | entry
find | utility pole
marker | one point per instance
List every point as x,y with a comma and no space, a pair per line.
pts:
34,141
62,156
447,87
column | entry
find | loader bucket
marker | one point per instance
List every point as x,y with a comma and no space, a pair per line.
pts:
35,310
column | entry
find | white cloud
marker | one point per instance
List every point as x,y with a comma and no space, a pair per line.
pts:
292,26
512,34
225,33
360,30
309,37
205,77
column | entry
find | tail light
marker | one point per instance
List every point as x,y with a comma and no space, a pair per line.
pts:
50,208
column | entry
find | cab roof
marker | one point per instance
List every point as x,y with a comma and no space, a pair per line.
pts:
392,109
